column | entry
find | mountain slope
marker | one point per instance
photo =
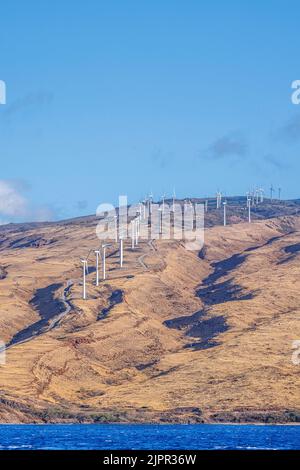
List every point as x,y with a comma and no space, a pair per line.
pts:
173,336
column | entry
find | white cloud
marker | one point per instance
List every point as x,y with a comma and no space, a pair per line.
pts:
12,202
15,207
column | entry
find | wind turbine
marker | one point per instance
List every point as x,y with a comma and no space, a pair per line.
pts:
163,202
206,205
271,191
257,194
121,250
279,193
116,228
146,207
133,236
150,202
140,210
174,196
249,208
97,252
224,213
85,271
137,231
248,198
104,246
261,191
219,199
160,215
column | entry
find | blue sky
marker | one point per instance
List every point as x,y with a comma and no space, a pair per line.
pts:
123,97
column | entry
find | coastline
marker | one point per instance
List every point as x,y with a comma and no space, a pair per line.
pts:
14,411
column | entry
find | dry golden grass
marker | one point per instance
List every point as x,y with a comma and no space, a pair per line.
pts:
130,361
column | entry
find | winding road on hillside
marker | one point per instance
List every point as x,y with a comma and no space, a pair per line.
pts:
47,307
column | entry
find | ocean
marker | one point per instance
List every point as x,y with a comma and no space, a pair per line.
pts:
148,437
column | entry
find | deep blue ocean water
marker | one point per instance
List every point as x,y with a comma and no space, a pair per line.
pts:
133,436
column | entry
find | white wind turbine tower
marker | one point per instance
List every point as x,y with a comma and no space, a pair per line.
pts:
160,215
249,208
85,271
250,198
137,230
261,191
174,196
163,202
104,246
219,199
133,235
224,213
121,250
173,199
150,202
247,198
97,252
257,195
116,228
271,192
140,211
279,193
144,209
